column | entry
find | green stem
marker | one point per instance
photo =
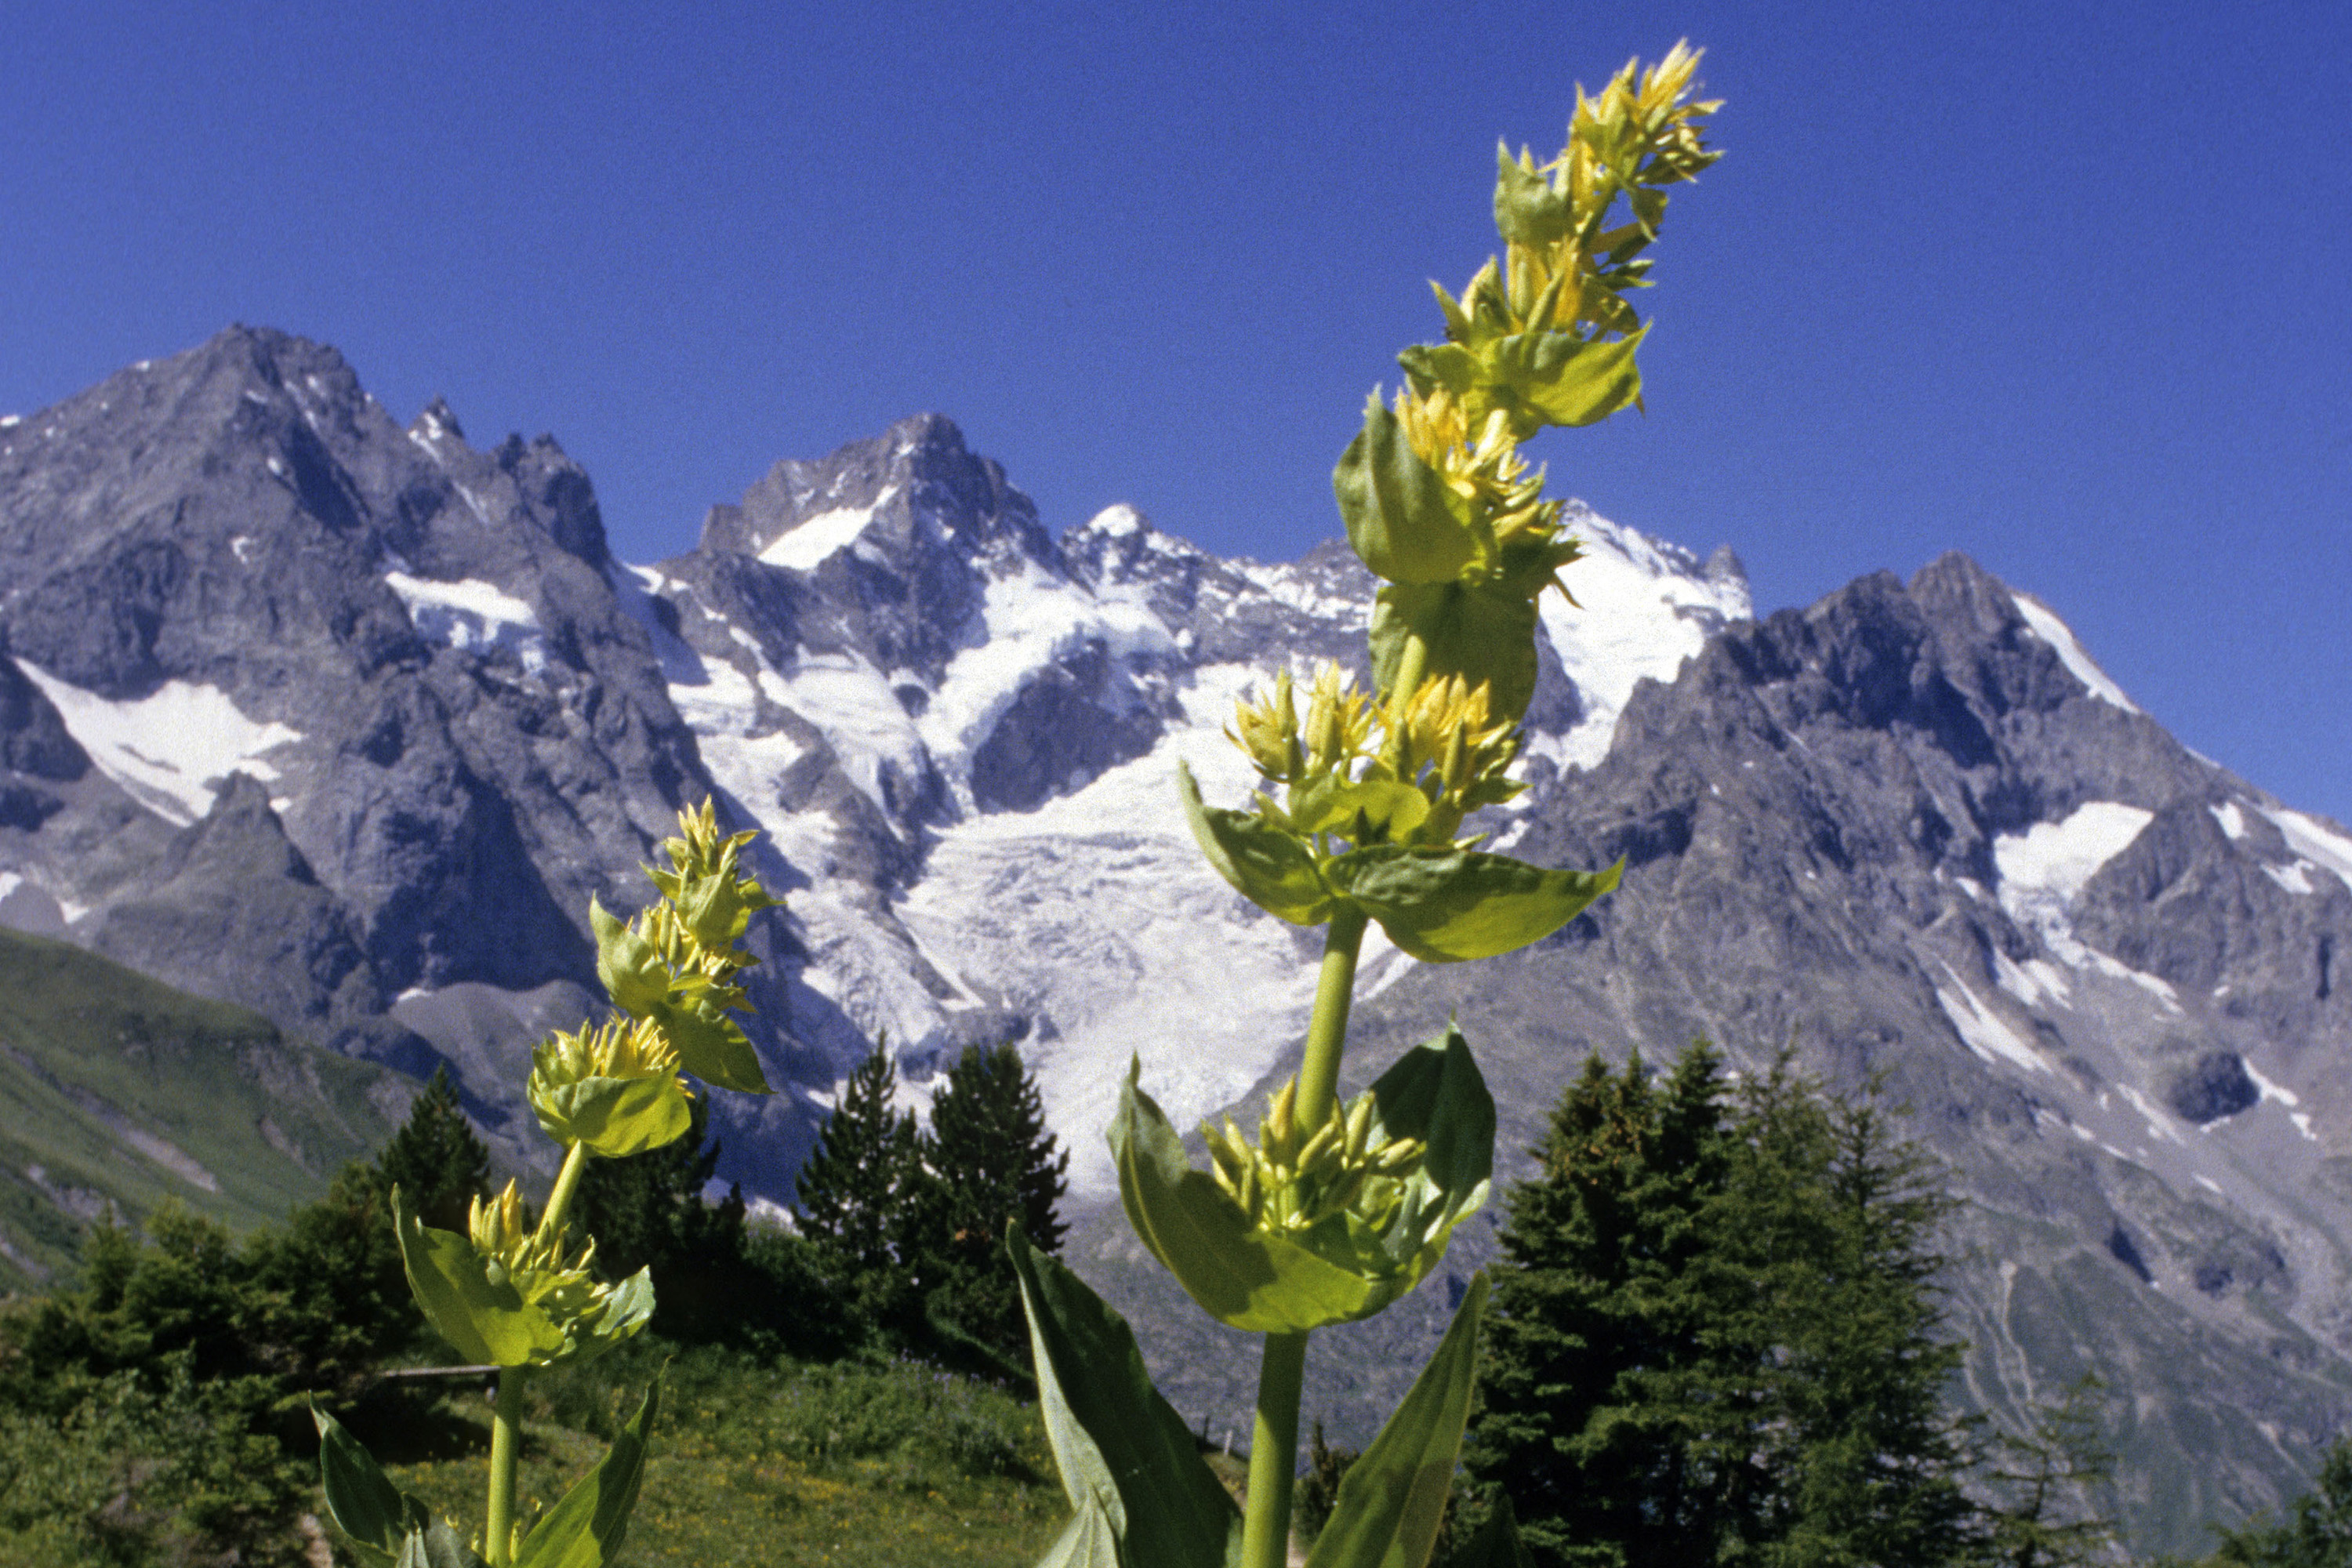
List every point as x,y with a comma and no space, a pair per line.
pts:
1273,1452
1327,1031
506,1427
560,1198
1282,1370
1412,668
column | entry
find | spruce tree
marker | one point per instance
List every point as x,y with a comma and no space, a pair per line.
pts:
855,1182
1717,1335
987,1160
647,1211
436,1160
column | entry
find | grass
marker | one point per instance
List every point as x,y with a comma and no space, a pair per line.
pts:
856,1464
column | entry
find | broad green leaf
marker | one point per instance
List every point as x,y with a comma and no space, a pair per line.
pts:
1239,1274
1445,905
518,1318
1528,211
361,1499
1435,1092
436,1546
1392,1499
1401,516
586,1530
633,973
1087,1542
1126,1456
483,1322
1470,630
717,907
1563,379
1266,865
711,1045
1388,810
1340,1270
613,1116
1496,1544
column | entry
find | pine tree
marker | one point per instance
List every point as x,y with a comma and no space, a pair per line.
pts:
853,1185
2042,1478
436,1158
987,1160
647,1211
2316,1532
1717,1335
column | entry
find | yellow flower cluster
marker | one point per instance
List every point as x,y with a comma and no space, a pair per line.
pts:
1441,740
1290,1182
621,1047
529,1258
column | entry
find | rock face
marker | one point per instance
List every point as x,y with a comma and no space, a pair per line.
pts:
380,710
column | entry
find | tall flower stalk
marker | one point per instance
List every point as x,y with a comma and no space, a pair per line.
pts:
516,1294
1334,1211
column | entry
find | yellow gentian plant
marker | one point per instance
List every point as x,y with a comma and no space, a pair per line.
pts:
514,1293
1336,1210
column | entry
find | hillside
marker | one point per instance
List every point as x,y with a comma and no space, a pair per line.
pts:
119,1094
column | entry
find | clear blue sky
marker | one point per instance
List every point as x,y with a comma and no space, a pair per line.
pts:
2065,286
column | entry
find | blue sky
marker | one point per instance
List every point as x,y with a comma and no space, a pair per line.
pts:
2066,286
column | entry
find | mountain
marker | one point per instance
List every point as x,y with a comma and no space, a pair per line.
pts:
383,708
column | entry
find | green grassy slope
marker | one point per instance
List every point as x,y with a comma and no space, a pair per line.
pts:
116,1089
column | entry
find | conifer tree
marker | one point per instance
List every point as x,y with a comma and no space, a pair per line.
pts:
1718,1334
987,1160
647,1211
851,1185
436,1160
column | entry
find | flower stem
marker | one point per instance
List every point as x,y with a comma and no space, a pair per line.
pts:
565,1181
1273,1452
1327,1031
1281,1369
506,1427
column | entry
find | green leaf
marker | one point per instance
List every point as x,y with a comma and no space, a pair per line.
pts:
1470,630
1329,804
1340,1269
1445,905
1239,1274
1528,211
1563,379
482,1321
1435,1092
586,1530
436,1546
1392,1499
711,1045
1126,1456
1266,865
1401,515
633,973
361,1499
613,1116
1088,1541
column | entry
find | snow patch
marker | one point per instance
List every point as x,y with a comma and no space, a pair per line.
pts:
2034,982
2270,1091
2046,625
2207,1183
10,421
169,750
471,616
1983,1030
2232,820
2294,878
2157,1123
242,548
1032,617
2318,842
810,542
1647,606
2051,862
